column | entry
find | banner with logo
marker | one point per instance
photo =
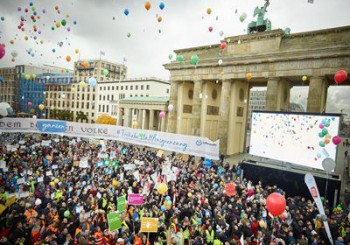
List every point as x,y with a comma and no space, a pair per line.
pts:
149,224
135,199
311,184
185,144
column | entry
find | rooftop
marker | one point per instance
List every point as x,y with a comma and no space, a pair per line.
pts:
146,99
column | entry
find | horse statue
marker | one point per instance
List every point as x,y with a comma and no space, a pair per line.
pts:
261,24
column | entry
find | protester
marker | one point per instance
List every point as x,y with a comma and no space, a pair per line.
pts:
66,187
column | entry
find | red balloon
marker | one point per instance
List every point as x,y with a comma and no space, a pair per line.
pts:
2,51
210,29
336,140
340,76
276,203
223,45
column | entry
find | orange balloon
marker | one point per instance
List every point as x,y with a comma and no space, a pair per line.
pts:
248,76
68,58
62,70
147,5
326,141
13,59
159,19
86,64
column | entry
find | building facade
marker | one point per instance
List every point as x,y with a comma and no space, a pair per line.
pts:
102,70
273,59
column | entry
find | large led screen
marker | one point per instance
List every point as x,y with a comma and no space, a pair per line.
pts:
298,138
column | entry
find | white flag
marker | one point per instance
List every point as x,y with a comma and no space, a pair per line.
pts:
311,184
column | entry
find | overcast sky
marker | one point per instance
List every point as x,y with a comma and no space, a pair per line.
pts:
101,25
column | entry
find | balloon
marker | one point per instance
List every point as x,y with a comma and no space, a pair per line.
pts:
52,184
170,107
163,208
194,59
56,181
2,51
208,10
63,22
147,5
284,215
27,76
161,114
58,24
336,140
92,81
340,76
56,7
210,28
161,5
223,45
221,33
304,78
321,126
37,202
82,84
5,109
66,213
261,223
77,51
243,17
105,72
168,198
189,194
322,144
320,134
14,54
248,76
134,123
159,19
180,58
170,56
29,104
68,58
129,34
34,116
324,131
276,204
126,12
169,203
41,107
328,164
162,188
220,62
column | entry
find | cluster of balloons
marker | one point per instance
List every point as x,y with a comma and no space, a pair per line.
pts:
85,64
326,137
166,204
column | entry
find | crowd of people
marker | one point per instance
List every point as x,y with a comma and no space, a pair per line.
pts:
59,190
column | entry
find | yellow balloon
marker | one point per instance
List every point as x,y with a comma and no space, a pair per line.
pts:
33,76
134,123
304,78
77,51
52,183
56,181
248,76
208,10
82,84
162,188
58,24
27,76
41,107
73,90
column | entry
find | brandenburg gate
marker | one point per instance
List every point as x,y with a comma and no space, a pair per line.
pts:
211,97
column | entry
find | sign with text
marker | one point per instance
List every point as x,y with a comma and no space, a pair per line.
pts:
149,224
135,199
114,221
184,144
121,201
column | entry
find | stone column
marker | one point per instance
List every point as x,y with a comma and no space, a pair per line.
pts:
139,118
277,95
196,108
128,117
204,104
151,120
163,124
224,110
317,97
143,118
173,101
120,117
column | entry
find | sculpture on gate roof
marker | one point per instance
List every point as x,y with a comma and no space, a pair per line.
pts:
261,24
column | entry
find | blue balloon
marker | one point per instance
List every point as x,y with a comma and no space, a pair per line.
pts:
168,198
92,81
161,5
75,22
126,12
1,79
163,208
216,186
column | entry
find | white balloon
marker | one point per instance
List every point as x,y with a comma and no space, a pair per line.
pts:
328,164
37,202
34,116
220,62
5,109
170,107
221,33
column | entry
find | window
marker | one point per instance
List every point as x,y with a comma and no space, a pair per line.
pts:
103,108
93,105
112,97
92,114
147,95
88,97
141,95
104,88
126,87
131,87
82,96
141,87
167,91
108,97
136,87
104,97
130,95
108,88
77,105
87,105
82,105
107,108
112,87
147,87
116,87
93,97
99,108
121,87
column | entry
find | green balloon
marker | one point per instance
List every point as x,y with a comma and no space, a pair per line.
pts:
63,22
243,17
321,134
170,56
322,144
194,59
324,131
105,72
180,58
66,213
129,34
327,124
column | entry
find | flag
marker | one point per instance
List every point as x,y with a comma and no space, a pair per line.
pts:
102,53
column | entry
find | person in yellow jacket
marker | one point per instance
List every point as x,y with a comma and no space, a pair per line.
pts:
210,235
217,242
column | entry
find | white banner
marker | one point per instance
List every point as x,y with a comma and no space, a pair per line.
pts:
311,184
185,144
